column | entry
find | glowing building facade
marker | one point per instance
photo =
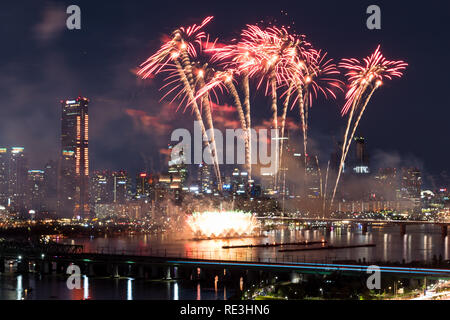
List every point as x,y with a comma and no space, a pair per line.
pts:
13,178
74,160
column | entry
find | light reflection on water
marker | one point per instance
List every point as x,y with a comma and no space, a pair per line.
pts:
31,287
419,243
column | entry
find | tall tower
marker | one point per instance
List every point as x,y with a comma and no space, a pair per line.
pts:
4,175
13,178
74,165
361,164
17,178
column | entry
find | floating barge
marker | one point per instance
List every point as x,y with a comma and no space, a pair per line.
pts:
267,245
329,247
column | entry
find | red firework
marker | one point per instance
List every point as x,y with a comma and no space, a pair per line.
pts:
182,39
369,73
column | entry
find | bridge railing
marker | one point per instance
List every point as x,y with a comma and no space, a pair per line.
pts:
213,255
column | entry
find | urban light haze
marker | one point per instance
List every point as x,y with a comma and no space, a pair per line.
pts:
224,151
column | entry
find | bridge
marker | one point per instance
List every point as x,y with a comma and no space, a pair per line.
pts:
364,222
164,265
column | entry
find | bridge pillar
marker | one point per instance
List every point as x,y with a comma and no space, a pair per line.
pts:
167,273
364,227
115,271
140,273
2,265
129,270
226,276
23,266
154,273
295,277
444,229
45,267
402,229
175,272
90,270
328,228
252,276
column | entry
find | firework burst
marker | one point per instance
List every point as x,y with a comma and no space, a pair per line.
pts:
222,223
364,78
174,58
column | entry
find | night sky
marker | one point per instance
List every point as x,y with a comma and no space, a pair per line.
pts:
42,62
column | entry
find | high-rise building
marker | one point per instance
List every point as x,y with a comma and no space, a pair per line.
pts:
109,187
144,183
386,185
204,178
121,184
239,182
100,187
178,169
74,173
361,162
4,168
17,178
51,186
411,183
13,178
36,190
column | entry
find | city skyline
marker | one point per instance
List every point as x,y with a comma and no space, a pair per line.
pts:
121,102
233,150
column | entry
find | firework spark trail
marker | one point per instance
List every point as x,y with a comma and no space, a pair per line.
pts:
196,109
236,58
225,79
363,108
274,108
313,74
242,119
320,177
346,144
325,191
246,86
283,124
186,62
350,139
188,80
208,112
301,108
363,76
173,57
342,160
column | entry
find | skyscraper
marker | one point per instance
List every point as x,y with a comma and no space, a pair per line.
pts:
121,184
51,186
74,165
36,190
4,167
411,182
361,164
100,187
204,178
17,178
13,178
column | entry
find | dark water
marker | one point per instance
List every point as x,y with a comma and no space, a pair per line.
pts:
419,243
17,287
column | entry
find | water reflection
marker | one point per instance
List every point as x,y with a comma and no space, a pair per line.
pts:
19,288
130,289
199,292
175,292
86,288
446,248
421,242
